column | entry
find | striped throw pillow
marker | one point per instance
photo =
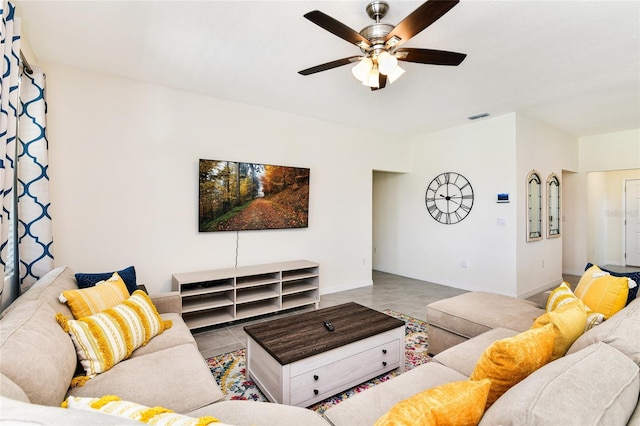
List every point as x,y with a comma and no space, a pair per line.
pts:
108,337
111,404
89,301
563,295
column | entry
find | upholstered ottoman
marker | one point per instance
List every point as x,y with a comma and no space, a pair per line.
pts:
454,320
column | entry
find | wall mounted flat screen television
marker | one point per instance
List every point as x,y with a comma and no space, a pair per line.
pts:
236,196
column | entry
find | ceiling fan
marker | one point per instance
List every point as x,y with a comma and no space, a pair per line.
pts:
380,43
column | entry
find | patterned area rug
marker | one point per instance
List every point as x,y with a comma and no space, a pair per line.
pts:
230,369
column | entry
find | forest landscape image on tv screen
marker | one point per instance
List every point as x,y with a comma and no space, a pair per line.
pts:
235,196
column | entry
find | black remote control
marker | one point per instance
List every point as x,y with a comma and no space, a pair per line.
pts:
328,325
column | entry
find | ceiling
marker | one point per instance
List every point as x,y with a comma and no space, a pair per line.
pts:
572,64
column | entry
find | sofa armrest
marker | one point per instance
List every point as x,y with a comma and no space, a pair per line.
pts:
167,302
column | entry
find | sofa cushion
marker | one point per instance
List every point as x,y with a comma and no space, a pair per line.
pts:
11,390
471,314
508,361
568,321
252,413
168,302
128,275
635,417
48,289
106,338
36,354
453,404
464,356
177,378
88,301
441,339
366,408
635,276
602,292
622,331
597,385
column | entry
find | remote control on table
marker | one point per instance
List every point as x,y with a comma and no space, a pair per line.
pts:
328,325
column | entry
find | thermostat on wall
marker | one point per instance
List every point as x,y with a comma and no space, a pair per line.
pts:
503,198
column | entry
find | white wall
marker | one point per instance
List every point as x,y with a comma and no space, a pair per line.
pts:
546,150
409,242
123,164
495,155
605,199
124,169
610,151
573,225
599,153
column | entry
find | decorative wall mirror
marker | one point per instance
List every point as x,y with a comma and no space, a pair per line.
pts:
534,206
553,206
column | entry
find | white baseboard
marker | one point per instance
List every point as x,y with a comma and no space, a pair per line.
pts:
540,289
352,286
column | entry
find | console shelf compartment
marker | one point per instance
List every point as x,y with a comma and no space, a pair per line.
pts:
248,310
256,294
207,317
195,304
223,295
295,301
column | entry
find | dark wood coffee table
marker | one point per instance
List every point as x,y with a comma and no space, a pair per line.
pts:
295,360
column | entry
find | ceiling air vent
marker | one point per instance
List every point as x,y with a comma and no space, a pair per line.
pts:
481,115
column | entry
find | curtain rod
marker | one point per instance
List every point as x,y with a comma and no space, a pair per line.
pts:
25,64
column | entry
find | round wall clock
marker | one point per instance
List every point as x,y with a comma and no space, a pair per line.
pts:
449,198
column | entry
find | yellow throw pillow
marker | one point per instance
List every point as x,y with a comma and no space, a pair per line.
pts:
569,322
89,301
602,292
559,296
562,295
591,273
451,404
106,338
508,361
110,404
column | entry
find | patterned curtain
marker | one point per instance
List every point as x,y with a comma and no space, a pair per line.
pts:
10,51
34,222
23,155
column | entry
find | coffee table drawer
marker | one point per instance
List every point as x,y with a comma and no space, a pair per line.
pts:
332,377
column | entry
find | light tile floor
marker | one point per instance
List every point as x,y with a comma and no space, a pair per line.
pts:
406,295
401,294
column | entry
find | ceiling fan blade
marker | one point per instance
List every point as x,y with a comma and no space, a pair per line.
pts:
430,56
337,28
330,65
382,81
419,19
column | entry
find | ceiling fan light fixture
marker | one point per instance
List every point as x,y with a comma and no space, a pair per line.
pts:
379,42
387,63
362,69
397,72
372,79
